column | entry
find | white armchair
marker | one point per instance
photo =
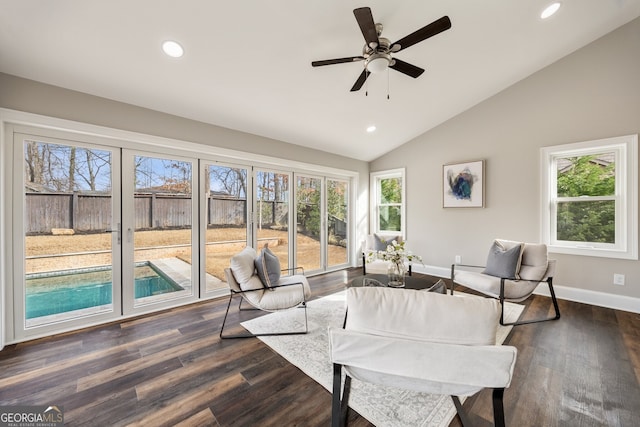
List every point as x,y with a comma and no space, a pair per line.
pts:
420,341
513,271
257,280
370,246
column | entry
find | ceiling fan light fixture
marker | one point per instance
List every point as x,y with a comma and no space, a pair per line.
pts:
550,10
377,50
378,62
172,49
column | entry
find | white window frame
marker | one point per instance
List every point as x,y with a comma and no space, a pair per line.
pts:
374,186
626,197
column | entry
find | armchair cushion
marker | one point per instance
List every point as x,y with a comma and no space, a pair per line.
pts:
268,267
242,264
535,262
503,261
514,290
292,290
438,368
417,315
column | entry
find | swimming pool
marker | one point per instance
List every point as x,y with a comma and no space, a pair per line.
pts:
66,291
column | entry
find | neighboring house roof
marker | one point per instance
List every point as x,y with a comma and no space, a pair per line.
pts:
604,160
32,187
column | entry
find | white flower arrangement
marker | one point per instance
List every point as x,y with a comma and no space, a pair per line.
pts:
395,253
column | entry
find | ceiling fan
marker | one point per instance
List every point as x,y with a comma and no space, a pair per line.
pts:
377,50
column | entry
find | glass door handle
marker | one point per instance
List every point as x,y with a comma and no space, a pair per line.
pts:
117,230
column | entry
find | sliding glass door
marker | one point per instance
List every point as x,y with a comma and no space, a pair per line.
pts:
337,222
322,207
70,220
160,264
272,213
310,223
226,212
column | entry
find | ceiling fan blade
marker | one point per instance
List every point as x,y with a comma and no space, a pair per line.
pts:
406,68
337,61
361,79
436,27
367,26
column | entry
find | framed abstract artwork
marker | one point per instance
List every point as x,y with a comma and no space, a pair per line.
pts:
463,185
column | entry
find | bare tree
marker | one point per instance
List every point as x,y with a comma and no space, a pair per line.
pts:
66,167
160,174
71,183
231,181
34,162
92,168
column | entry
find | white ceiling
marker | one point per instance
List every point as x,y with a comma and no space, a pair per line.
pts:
247,64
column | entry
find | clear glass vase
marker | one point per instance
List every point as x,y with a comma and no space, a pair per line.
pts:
395,273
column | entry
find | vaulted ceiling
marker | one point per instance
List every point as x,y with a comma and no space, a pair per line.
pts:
247,64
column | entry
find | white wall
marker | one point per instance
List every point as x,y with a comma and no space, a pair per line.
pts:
591,94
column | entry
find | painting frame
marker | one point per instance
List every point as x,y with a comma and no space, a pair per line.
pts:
463,184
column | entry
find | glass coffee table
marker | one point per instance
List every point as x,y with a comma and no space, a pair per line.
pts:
430,284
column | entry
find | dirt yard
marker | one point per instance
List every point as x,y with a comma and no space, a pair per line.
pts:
50,253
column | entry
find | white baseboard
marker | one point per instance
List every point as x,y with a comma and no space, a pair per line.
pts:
432,270
600,299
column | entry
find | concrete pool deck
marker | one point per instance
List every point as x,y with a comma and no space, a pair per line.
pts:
180,272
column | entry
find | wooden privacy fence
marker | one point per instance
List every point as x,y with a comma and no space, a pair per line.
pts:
79,212
91,213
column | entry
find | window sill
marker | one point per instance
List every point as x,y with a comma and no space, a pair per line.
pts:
594,252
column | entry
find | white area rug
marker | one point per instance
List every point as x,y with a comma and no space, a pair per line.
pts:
382,406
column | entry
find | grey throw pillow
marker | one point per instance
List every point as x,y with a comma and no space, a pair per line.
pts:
381,243
268,267
503,262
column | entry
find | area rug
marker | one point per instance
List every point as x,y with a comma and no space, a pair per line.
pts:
382,406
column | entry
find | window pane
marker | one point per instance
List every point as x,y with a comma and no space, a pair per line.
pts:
390,217
162,236
590,221
68,255
226,215
272,196
592,175
390,190
337,210
308,192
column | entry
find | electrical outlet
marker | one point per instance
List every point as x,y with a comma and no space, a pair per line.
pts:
458,259
618,279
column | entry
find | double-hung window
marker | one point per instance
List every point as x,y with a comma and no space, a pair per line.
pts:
388,201
589,198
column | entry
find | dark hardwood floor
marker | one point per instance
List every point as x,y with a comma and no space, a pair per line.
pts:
172,369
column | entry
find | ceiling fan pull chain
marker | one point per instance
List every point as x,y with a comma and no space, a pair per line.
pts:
366,89
388,84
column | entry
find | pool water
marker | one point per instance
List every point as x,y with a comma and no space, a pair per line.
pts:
62,293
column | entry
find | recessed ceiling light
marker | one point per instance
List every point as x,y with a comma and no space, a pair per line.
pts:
371,129
173,49
550,10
